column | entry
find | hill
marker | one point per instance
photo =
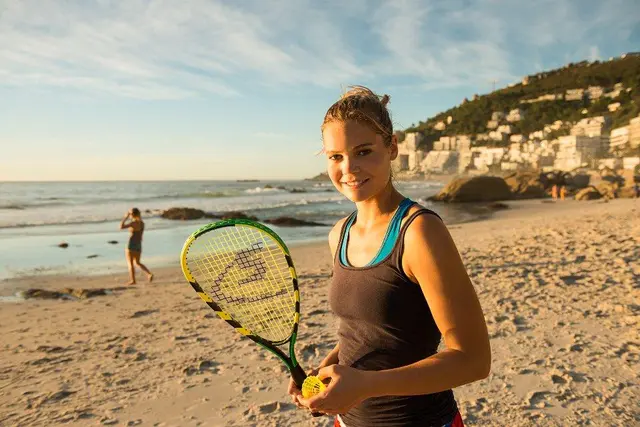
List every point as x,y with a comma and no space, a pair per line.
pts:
544,98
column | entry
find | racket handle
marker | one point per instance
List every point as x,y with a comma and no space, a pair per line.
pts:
298,375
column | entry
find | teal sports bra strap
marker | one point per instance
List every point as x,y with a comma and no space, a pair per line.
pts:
389,239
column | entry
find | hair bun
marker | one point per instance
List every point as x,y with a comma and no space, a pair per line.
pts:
365,92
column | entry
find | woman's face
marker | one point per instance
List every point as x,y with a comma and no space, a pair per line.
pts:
358,162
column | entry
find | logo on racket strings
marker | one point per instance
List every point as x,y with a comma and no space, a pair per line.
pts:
245,279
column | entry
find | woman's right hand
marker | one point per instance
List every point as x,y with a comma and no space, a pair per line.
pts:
295,392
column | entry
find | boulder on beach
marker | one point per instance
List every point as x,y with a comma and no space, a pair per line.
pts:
589,193
526,185
67,293
475,189
183,213
42,294
285,221
86,293
627,193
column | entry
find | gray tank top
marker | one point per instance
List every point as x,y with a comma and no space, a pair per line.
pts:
385,323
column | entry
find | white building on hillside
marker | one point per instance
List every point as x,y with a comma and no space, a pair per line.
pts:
409,153
634,132
619,138
591,126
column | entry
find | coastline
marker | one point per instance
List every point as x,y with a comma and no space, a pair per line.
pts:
558,282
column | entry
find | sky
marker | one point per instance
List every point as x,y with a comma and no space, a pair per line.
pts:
211,89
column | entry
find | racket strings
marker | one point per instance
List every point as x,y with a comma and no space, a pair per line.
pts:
245,272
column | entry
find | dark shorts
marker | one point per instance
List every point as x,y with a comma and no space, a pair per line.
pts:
135,246
456,422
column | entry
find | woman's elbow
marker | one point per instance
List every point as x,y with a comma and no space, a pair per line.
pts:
483,365
484,369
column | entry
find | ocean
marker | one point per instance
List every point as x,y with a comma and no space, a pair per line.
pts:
35,217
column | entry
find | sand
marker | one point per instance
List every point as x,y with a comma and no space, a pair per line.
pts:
559,284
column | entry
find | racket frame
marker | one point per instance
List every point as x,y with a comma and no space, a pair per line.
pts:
297,373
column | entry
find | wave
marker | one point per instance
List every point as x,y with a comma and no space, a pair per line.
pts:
25,206
265,190
14,207
267,210
204,195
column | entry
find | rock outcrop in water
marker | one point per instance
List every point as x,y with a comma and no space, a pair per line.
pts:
285,221
192,213
183,213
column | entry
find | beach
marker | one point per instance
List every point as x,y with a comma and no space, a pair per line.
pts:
559,283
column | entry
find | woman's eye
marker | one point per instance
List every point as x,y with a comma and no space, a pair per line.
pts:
363,152
335,157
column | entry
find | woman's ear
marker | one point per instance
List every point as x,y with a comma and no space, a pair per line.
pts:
393,147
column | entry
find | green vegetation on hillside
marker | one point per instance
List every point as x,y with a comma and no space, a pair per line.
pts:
471,117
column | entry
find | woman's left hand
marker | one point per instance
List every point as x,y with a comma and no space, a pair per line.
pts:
348,387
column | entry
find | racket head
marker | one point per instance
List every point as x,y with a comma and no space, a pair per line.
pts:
244,272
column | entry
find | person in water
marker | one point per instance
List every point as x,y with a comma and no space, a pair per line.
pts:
134,247
399,285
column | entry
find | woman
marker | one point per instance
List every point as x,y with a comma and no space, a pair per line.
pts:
134,248
398,287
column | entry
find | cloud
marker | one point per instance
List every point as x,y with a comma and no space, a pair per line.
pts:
151,50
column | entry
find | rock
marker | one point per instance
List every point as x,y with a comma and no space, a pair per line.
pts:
291,222
321,177
112,242
578,181
607,189
67,293
589,193
182,213
41,294
237,215
498,206
526,185
85,293
475,189
63,245
627,193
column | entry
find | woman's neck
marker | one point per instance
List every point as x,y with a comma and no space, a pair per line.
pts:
378,208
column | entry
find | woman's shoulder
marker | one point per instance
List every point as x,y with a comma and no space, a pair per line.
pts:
423,227
334,234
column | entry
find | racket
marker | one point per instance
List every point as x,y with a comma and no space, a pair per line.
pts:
244,272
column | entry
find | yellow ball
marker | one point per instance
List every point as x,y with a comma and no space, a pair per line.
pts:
312,386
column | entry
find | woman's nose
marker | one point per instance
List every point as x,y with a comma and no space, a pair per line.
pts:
350,165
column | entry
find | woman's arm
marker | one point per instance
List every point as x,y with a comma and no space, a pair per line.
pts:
433,261
331,358
123,223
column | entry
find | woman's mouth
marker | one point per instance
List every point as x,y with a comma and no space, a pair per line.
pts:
355,183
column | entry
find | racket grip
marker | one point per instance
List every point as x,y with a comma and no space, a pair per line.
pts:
298,375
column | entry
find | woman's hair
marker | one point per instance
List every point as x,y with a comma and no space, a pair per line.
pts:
135,212
361,104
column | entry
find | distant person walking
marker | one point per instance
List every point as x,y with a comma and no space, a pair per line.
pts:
134,247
